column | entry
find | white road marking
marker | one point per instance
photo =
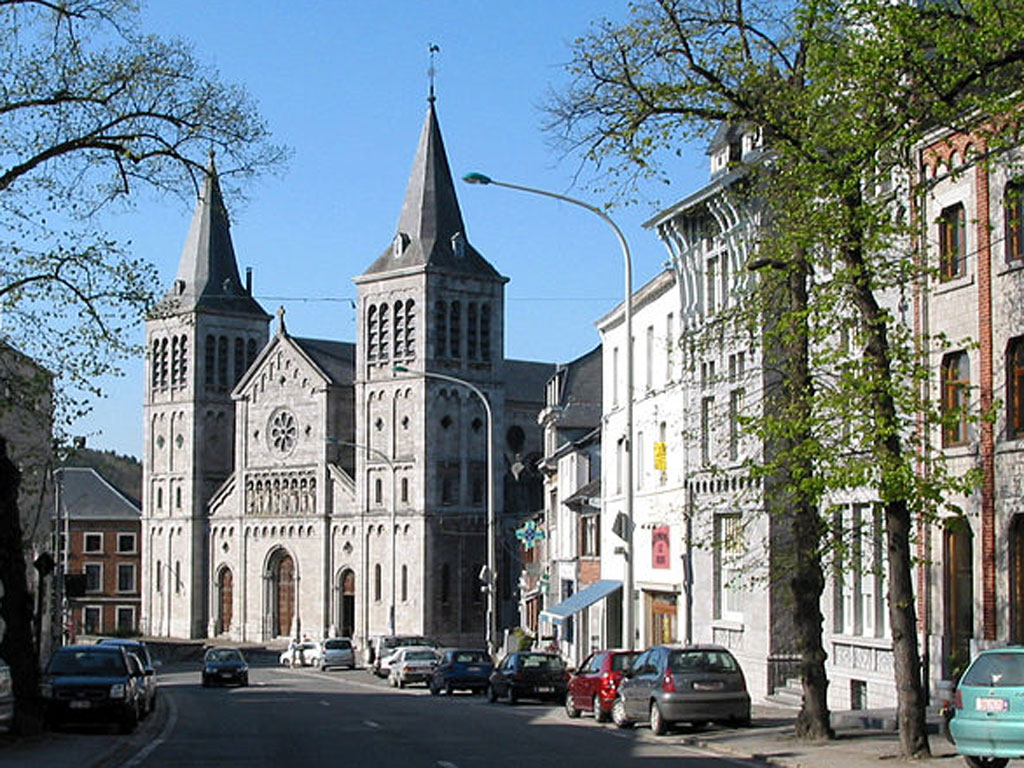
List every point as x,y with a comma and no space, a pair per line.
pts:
371,724
172,720
324,703
446,764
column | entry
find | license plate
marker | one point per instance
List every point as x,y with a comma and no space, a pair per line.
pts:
80,704
545,689
983,704
708,686
227,674
473,669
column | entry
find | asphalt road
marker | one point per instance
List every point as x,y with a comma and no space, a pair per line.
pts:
307,718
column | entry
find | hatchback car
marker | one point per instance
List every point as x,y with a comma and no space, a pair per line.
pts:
334,652
411,665
94,684
384,648
594,685
224,666
462,669
669,684
299,654
988,715
528,674
140,649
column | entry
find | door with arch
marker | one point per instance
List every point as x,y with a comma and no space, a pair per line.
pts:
346,609
281,594
225,600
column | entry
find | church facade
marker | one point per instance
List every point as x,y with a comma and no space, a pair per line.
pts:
305,486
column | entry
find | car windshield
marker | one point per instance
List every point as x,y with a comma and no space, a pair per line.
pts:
993,670
223,654
87,664
621,661
541,661
688,661
338,645
471,657
419,656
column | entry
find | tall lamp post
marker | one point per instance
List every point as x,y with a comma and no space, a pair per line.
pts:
492,561
391,466
628,619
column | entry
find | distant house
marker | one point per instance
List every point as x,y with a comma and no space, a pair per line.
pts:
105,528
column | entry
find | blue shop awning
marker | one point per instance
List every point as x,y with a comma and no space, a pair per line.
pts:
582,599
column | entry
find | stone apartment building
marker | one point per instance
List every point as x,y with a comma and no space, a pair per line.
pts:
104,545
304,486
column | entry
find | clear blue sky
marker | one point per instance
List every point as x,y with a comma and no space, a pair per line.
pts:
344,85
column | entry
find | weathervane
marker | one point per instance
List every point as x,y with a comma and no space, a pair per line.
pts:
431,71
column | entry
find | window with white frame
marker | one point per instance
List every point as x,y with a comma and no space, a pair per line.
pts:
92,543
126,543
615,376
728,554
93,577
126,577
858,571
590,540
711,285
649,361
125,619
620,460
670,346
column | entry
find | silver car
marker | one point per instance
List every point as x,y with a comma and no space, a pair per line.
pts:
336,652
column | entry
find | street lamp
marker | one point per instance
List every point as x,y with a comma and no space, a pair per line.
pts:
391,466
492,563
628,621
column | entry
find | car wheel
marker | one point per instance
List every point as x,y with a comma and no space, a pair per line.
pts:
619,715
599,714
434,690
492,695
658,725
570,706
399,683
974,761
245,681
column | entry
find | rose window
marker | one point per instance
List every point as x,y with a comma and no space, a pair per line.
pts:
282,431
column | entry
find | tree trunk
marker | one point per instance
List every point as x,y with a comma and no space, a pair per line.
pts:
17,647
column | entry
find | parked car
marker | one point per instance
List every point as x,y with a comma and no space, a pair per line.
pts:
140,649
412,665
668,684
95,684
384,646
6,696
334,652
461,669
299,654
528,674
988,709
595,684
222,666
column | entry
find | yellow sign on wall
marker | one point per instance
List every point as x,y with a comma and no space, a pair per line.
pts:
660,461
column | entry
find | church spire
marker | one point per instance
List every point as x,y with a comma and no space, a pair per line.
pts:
207,271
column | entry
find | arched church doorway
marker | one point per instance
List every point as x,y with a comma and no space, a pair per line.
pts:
225,599
959,593
346,610
281,594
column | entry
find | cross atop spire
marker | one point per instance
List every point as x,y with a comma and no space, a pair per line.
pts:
432,71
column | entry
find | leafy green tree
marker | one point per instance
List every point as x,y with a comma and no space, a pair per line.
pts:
842,91
91,112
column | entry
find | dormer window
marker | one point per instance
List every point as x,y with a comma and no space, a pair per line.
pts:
459,245
399,244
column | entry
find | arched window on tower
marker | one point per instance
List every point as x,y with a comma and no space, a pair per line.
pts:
210,362
222,363
371,332
410,328
405,583
378,491
472,332
441,328
399,351
384,332
175,361
239,359
163,363
454,325
250,353
154,365
183,360
376,582
485,332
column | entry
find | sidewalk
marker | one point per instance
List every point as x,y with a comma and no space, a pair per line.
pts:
863,740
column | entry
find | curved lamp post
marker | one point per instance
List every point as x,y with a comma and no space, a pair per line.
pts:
391,466
492,564
628,620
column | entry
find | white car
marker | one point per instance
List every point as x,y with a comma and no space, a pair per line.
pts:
411,665
300,654
334,652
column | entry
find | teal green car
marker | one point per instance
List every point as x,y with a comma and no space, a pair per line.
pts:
988,722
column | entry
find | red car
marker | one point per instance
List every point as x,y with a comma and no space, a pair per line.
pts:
592,688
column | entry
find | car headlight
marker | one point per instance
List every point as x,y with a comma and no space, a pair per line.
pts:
117,691
46,691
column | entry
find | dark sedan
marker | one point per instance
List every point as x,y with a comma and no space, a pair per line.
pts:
528,675
462,669
94,684
225,666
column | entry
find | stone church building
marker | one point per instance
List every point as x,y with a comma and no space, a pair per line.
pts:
304,486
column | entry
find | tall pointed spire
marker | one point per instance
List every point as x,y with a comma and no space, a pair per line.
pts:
430,228
208,272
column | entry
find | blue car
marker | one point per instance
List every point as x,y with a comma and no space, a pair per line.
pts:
462,669
988,719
